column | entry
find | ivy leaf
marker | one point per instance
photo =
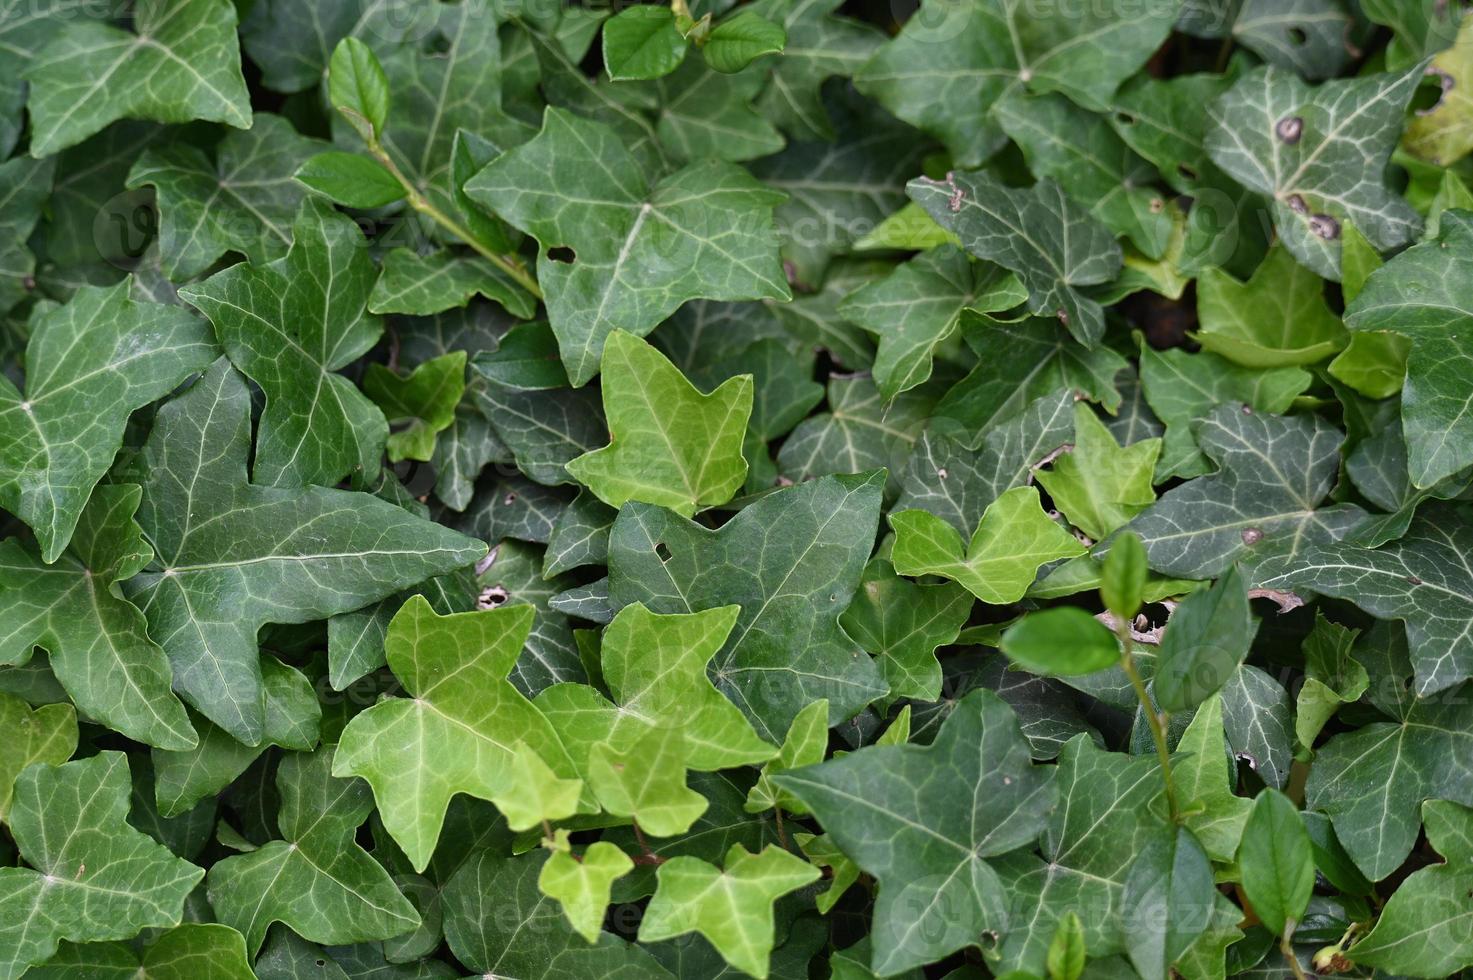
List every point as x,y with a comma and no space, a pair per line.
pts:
1305,36
243,201
646,783
425,284
1419,294
95,878
1182,388
901,624
1167,902
793,557
1053,244
928,840
47,734
991,49
1012,541
1081,151
1420,931
655,667
582,884
458,730
1371,780
1441,134
1262,502
25,185
436,97
669,443
576,187
1100,486
1419,578
422,404
957,484
288,328
741,39
177,954
535,794
839,185
730,906
233,556
1331,677
820,45
1204,775
1277,318
1320,155
88,365
537,416
1103,818
496,919
183,63
293,720
1016,364
1061,642
804,745
315,879
97,640
917,307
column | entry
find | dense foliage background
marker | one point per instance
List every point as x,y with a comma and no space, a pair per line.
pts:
790,489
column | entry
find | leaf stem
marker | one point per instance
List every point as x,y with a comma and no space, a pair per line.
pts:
1286,946
1156,720
509,264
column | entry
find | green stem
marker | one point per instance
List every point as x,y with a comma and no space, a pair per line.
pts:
1286,946
1156,720
511,265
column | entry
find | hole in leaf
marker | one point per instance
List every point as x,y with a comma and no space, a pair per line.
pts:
1188,172
1430,93
562,253
492,596
1125,118
662,550
1297,36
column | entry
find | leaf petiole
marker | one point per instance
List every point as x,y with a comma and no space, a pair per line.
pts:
1155,719
511,265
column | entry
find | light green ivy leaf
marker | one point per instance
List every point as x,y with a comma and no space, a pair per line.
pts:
1100,485
457,731
669,443
1012,541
